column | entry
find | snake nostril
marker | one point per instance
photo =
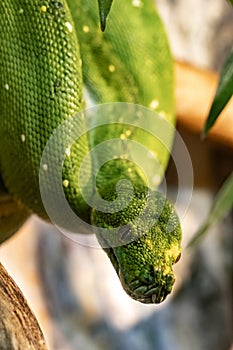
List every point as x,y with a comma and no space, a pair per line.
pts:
178,258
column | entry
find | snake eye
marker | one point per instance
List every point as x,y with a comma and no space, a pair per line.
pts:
124,234
178,258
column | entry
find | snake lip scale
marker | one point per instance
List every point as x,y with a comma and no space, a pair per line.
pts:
144,291
148,293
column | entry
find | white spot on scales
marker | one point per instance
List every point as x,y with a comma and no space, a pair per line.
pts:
136,3
43,8
65,183
45,167
86,29
111,68
154,104
23,137
69,26
128,132
156,179
67,151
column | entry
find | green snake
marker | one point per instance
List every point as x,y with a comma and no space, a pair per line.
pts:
50,53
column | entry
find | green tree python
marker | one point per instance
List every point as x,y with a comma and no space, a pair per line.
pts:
52,51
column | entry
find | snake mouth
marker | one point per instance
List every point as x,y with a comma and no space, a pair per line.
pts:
152,286
149,293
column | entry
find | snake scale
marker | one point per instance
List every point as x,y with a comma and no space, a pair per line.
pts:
50,53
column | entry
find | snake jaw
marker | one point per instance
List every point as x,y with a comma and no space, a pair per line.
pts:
152,286
153,290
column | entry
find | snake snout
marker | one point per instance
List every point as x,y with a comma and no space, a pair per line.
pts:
152,287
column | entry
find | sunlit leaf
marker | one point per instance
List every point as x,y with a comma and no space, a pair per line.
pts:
223,203
223,94
104,8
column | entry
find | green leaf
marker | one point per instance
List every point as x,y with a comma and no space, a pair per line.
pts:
223,203
223,94
104,8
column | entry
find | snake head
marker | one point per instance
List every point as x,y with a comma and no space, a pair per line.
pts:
152,281
142,242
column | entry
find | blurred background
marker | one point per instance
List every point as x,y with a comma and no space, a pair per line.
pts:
73,289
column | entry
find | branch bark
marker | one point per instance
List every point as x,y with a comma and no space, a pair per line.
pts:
195,91
19,329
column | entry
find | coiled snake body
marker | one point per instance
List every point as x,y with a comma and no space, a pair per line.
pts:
48,51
